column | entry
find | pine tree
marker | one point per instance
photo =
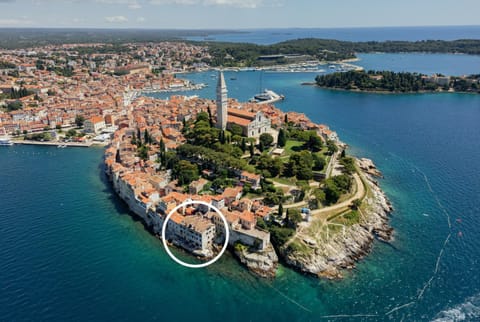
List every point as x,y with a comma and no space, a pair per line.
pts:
286,119
252,150
282,138
243,145
280,210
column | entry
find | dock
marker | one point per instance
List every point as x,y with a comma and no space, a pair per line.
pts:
52,143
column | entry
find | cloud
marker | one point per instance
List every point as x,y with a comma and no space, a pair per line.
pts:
132,4
141,19
116,19
15,22
251,4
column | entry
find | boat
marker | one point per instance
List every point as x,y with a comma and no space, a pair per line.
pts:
233,78
332,67
268,96
5,141
61,146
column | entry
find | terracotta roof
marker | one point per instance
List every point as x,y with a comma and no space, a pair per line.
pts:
241,113
238,120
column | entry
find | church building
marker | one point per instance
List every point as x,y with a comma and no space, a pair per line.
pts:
252,124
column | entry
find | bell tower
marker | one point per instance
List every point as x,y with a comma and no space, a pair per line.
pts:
221,102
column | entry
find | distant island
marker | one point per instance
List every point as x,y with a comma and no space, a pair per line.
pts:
403,82
292,51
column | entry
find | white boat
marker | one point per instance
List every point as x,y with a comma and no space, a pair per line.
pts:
268,96
5,141
61,146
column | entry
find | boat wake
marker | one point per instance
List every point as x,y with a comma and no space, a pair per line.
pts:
469,310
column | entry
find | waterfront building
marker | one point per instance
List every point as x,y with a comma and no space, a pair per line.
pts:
94,125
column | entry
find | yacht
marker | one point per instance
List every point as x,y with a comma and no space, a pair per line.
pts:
5,141
268,95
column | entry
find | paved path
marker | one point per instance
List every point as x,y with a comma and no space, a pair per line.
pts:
358,195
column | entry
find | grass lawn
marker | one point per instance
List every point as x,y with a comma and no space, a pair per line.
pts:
293,146
286,181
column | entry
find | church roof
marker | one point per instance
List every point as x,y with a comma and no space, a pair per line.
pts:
241,113
238,120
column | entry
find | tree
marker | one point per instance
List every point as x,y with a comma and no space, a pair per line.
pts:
146,137
13,106
332,147
185,172
282,138
203,116
266,139
293,218
143,152
243,145
348,165
356,204
343,155
251,148
285,120
318,162
210,117
332,193
236,129
162,145
314,143
280,210
79,120
58,126
300,165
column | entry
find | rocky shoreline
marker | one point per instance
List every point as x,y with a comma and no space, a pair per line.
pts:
344,251
263,264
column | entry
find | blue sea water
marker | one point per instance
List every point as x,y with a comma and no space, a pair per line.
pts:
70,251
272,36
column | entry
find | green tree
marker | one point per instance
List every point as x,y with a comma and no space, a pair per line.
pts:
318,162
79,120
185,172
356,204
332,147
251,148
266,139
293,218
280,210
243,145
14,106
348,165
314,143
236,129
282,138
203,116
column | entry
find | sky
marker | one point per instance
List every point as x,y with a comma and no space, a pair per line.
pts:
236,14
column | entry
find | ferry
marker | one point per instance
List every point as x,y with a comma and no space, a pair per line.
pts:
5,141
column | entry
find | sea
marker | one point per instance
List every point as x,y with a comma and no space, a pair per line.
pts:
70,251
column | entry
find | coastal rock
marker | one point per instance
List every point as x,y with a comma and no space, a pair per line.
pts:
369,167
343,250
263,264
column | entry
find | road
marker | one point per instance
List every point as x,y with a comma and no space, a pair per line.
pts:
358,195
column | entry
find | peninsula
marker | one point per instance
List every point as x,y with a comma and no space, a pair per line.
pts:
391,82
285,185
